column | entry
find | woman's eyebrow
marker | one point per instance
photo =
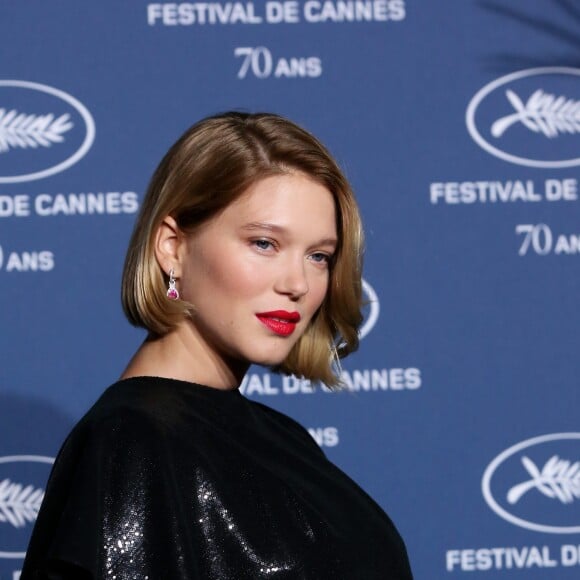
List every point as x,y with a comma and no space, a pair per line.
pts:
252,226
264,226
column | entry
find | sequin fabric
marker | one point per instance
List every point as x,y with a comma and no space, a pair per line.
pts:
123,552
165,479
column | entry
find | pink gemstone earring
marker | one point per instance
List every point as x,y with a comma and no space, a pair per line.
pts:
172,292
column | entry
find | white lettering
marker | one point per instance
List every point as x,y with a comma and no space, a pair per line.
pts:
259,385
324,436
570,555
484,559
110,203
169,14
292,385
153,13
452,559
395,379
470,560
287,12
397,8
565,189
42,261
14,206
353,10
366,380
469,192
275,12
187,13
547,561
412,378
540,239
261,64
567,245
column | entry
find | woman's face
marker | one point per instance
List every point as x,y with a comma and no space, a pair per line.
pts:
259,270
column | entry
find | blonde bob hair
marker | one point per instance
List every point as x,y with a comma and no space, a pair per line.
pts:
209,167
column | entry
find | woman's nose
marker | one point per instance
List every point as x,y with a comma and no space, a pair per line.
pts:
292,279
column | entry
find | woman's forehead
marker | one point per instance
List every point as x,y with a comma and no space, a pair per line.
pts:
285,201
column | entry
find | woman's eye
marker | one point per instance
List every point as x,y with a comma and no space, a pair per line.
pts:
263,244
320,258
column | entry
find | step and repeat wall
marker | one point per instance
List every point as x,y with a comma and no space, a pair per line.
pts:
458,124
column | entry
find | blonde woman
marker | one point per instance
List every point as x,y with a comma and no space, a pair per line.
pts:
247,250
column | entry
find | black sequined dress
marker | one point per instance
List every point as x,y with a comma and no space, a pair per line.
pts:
169,480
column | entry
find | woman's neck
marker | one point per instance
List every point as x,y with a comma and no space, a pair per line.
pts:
182,355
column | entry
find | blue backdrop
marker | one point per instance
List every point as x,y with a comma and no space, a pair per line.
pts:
458,124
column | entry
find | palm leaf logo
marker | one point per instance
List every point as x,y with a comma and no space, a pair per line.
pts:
19,504
31,131
559,479
542,113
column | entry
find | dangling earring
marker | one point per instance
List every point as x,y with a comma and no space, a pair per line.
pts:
172,292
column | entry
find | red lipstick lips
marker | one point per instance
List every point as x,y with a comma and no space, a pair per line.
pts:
280,321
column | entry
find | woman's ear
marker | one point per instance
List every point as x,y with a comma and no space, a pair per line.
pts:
168,242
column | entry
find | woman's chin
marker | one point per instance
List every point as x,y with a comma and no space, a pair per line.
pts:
270,358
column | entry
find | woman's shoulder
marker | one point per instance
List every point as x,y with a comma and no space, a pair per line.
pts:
136,395
128,412
288,427
133,424
161,407
279,417
127,401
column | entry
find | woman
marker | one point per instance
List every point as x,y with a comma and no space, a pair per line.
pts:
247,250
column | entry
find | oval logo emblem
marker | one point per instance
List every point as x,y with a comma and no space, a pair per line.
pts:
22,482
43,131
530,117
535,484
371,309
